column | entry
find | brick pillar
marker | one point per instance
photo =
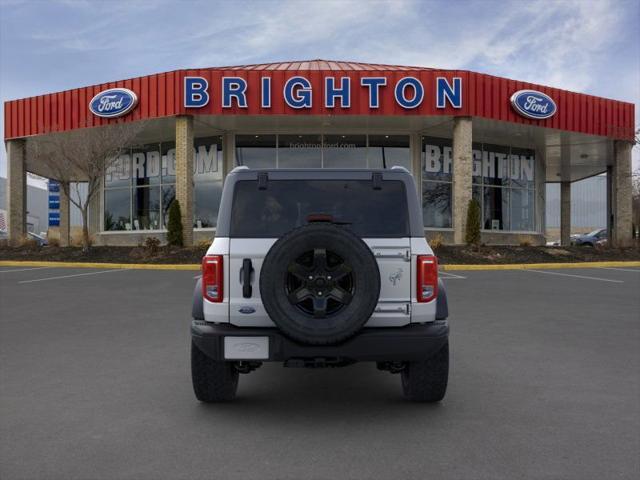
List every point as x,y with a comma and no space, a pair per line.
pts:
565,213
16,191
462,175
65,216
184,174
621,186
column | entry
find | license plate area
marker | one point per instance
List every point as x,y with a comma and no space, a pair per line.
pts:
246,348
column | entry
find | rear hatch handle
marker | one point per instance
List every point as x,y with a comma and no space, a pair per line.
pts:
247,270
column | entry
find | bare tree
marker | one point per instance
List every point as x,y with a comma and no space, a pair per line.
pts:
82,156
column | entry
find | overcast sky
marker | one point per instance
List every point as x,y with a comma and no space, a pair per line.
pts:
581,45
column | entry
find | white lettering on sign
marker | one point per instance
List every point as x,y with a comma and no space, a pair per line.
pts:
438,159
533,104
108,104
298,92
151,164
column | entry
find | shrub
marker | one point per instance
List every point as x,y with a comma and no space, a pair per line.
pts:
203,244
472,234
524,241
152,245
436,241
54,242
174,227
28,243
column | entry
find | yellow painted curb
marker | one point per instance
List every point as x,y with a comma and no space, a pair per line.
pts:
196,267
525,266
132,266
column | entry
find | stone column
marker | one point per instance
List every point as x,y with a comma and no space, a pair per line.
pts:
184,174
16,191
621,184
462,175
65,216
565,213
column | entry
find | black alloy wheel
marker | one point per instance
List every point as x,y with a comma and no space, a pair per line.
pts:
320,283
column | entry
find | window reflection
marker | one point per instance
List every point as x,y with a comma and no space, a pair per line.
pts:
299,151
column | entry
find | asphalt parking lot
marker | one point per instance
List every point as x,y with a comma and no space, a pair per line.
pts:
95,384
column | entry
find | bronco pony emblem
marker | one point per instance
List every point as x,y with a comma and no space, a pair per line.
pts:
395,277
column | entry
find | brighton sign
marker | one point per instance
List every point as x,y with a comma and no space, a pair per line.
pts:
533,104
113,103
298,93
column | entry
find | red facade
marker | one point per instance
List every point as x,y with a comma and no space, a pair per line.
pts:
161,95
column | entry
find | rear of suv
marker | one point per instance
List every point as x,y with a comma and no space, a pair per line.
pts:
319,268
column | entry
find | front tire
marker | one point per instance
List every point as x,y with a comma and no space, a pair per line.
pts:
426,381
212,381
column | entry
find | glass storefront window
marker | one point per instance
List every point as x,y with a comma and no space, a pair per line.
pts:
207,201
437,174
497,170
495,165
344,151
118,174
256,151
521,211
437,161
168,196
207,188
496,208
385,151
117,209
436,204
168,162
146,208
145,165
522,167
299,151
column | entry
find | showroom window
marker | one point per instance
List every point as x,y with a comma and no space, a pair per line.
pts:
140,186
207,181
323,151
437,175
503,184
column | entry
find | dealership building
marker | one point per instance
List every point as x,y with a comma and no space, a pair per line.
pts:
462,134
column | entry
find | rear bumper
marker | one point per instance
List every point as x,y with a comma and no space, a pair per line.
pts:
410,343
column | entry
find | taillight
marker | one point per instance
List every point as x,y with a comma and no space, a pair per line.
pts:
427,278
212,278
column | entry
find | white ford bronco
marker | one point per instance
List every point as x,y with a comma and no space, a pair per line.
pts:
319,268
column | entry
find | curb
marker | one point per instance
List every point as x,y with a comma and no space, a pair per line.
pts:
196,267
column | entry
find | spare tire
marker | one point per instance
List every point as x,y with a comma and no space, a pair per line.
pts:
320,283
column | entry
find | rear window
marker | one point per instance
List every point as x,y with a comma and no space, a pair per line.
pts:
287,204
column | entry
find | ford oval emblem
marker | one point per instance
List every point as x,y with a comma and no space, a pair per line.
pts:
533,104
247,310
114,102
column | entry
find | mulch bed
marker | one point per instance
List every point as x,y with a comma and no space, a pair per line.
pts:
168,255
463,255
446,254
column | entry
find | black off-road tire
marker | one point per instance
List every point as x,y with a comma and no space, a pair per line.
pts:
212,381
357,258
426,381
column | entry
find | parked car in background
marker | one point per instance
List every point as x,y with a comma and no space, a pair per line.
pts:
591,239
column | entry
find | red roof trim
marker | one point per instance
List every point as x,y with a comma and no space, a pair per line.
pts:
161,94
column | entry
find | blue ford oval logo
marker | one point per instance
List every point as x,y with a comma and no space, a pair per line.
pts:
533,104
247,310
114,102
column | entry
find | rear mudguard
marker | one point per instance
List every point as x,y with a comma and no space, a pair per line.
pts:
442,309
